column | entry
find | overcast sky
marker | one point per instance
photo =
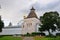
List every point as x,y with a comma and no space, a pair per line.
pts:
14,10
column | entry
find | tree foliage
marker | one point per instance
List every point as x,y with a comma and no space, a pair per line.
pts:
49,21
1,25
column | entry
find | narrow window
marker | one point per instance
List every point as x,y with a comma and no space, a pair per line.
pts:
23,26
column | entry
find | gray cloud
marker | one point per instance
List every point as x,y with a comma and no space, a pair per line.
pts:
46,7
14,10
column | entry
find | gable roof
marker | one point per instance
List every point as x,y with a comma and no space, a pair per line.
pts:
32,14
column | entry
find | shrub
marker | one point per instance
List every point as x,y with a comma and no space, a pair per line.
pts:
38,33
57,34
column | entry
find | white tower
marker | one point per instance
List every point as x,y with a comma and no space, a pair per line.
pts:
30,22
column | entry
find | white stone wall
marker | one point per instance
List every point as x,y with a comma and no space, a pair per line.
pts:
11,31
30,25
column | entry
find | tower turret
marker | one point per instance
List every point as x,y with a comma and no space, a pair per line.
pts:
32,13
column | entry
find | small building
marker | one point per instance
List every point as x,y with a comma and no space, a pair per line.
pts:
31,23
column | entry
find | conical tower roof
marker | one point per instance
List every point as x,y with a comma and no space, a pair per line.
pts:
32,14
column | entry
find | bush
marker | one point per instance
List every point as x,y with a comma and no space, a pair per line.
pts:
34,34
38,33
26,34
57,34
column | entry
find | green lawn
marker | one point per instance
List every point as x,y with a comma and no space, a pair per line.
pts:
47,38
10,38
36,38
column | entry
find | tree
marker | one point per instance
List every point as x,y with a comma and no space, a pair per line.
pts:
58,23
49,20
1,24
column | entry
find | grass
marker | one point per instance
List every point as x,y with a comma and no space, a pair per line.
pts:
47,38
35,38
10,38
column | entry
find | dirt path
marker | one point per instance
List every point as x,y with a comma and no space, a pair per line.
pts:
28,38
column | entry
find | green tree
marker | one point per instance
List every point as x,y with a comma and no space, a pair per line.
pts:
49,21
58,23
1,24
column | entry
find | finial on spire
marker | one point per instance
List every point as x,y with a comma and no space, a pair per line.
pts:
32,8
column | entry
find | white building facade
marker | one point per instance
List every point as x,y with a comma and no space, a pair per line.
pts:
31,23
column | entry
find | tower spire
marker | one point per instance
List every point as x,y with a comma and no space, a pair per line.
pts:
32,8
32,13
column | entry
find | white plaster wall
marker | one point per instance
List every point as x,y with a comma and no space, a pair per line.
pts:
11,31
28,28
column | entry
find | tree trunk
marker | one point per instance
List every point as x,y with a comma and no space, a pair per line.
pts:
49,32
0,29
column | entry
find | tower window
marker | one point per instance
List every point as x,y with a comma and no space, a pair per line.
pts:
23,26
29,24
